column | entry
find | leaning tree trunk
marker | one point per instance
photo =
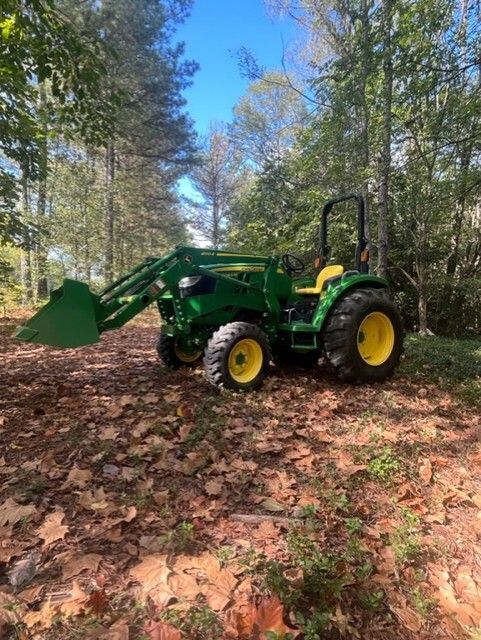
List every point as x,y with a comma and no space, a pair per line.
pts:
109,212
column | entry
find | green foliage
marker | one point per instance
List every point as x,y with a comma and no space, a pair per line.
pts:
405,539
313,599
384,465
180,538
451,364
197,623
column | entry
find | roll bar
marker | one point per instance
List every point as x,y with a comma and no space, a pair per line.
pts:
362,254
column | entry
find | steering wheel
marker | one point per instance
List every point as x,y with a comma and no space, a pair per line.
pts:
292,264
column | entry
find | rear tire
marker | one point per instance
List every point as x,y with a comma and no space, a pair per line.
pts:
237,357
363,336
172,356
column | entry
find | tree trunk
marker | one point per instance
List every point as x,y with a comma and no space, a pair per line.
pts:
364,120
385,161
26,260
109,212
42,245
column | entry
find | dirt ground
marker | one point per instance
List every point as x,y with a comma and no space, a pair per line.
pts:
136,501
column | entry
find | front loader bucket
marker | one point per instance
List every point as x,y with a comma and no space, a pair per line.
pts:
67,320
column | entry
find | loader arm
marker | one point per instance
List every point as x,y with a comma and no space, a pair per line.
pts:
75,316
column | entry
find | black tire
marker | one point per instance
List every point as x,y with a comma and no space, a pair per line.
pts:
284,356
220,348
342,335
169,353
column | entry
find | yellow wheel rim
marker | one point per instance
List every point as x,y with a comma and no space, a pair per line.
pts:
186,357
375,338
245,360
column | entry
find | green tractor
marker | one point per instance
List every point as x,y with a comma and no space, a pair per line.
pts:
239,311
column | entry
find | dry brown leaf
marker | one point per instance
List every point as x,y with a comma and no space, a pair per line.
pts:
214,487
184,586
270,617
151,572
12,611
94,500
52,529
108,433
77,478
409,618
161,631
118,631
239,620
425,470
269,504
161,497
218,592
80,563
11,512
206,562
71,603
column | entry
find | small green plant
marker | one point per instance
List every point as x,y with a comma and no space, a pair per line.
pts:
338,501
225,554
197,623
372,601
383,466
422,603
405,539
353,525
309,511
179,538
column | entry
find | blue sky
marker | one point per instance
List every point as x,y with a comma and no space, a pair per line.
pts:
213,33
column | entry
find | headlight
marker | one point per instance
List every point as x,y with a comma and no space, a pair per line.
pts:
190,281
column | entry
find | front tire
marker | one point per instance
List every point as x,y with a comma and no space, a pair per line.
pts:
171,354
237,357
363,336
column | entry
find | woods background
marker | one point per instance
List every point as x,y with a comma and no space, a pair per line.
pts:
381,97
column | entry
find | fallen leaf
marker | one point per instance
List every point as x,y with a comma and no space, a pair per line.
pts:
151,571
118,631
270,617
77,478
52,529
214,487
160,497
409,618
95,501
80,563
11,512
425,470
184,586
97,602
218,592
109,433
161,631
239,620
269,504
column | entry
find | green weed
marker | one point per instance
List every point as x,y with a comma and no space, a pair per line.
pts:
384,465
197,623
179,538
405,539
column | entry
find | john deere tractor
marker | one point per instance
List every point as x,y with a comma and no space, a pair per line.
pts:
240,311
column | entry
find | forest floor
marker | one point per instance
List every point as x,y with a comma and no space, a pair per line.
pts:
136,502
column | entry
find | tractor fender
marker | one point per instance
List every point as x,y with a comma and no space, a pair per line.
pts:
335,293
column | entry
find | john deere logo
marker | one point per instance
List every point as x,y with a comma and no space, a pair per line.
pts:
188,259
